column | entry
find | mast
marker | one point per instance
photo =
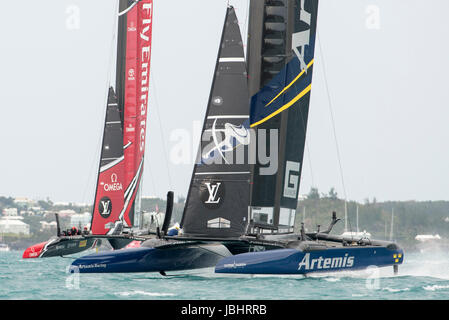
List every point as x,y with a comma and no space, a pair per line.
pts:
109,192
136,76
218,197
346,216
280,63
121,57
123,146
391,226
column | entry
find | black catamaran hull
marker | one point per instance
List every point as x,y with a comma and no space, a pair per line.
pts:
297,261
60,246
170,257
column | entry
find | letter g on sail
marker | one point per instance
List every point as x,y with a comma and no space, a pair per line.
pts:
291,180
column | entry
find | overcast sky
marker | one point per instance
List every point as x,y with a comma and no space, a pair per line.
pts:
386,65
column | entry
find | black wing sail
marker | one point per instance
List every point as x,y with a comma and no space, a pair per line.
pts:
109,193
281,56
217,202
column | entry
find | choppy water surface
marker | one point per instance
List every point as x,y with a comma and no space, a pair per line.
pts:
424,275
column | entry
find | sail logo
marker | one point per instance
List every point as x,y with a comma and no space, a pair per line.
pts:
145,34
132,27
326,263
212,194
291,181
114,185
105,207
302,39
218,101
131,74
213,191
234,136
130,128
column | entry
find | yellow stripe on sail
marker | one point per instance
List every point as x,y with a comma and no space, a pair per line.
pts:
291,83
286,106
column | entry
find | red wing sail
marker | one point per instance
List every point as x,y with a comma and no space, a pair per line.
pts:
138,53
130,99
110,190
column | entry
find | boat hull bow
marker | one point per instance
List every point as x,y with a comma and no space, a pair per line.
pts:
59,247
152,259
296,261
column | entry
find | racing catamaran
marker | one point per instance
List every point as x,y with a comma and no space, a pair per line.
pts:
116,209
209,213
280,64
239,214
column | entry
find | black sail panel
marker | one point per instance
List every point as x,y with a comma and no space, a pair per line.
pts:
109,191
113,134
283,74
217,202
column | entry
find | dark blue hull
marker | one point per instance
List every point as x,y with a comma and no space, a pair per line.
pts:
172,258
295,261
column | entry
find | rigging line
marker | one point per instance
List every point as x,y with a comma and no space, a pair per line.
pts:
160,125
323,66
332,116
105,98
308,152
307,145
309,158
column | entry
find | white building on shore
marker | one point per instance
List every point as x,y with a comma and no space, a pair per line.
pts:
48,225
23,201
67,213
10,212
427,237
14,226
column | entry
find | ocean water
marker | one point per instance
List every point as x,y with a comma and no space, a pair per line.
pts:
423,275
